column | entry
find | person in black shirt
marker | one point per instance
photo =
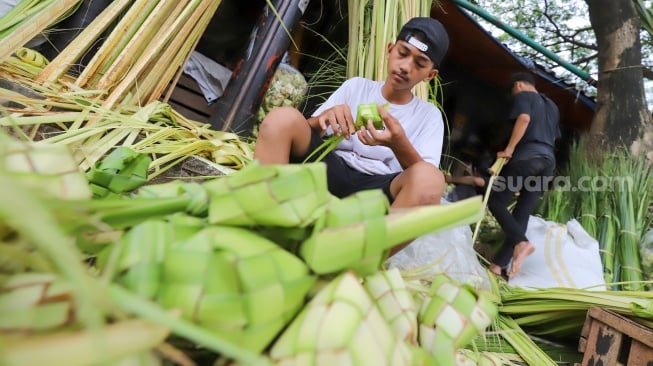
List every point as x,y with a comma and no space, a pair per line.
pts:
526,173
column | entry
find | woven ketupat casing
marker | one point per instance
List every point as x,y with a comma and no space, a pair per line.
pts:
291,195
341,325
235,283
49,168
350,235
452,317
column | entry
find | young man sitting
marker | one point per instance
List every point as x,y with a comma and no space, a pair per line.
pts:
403,158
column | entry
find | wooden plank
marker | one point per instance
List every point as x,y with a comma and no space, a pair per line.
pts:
190,100
582,344
584,333
189,113
187,82
623,324
603,345
640,354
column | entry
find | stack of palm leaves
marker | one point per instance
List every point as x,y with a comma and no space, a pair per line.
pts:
72,119
148,43
115,99
610,196
559,313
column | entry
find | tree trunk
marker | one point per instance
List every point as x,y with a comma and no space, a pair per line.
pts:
621,105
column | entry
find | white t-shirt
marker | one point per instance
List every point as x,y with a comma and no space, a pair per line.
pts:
421,120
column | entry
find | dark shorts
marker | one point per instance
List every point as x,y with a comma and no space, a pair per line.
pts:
343,180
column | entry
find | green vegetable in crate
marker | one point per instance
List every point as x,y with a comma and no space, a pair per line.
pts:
366,112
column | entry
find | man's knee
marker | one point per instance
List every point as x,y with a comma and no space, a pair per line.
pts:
427,174
282,115
425,182
283,132
281,118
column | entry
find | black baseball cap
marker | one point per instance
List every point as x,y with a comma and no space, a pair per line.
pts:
522,76
432,38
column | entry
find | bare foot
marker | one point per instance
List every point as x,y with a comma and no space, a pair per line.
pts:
496,269
522,250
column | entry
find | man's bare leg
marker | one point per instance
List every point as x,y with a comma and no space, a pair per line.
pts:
522,250
496,269
421,184
284,131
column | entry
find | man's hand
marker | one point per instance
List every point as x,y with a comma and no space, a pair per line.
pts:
391,135
339,118
506,153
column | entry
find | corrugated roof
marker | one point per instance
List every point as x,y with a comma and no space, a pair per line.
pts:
477,51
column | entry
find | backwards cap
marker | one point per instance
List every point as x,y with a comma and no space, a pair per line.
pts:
522,76
436,43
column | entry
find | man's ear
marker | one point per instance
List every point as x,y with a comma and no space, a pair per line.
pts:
519,86
391,45
432,74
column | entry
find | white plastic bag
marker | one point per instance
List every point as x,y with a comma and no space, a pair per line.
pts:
565,256
287,88
211,77
449,251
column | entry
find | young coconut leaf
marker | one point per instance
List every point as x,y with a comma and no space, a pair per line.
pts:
122,171
35,302
136,260
116,342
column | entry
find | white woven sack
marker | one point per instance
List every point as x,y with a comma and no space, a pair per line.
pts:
565,256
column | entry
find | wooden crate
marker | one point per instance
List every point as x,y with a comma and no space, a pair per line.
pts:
187,99
610,339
